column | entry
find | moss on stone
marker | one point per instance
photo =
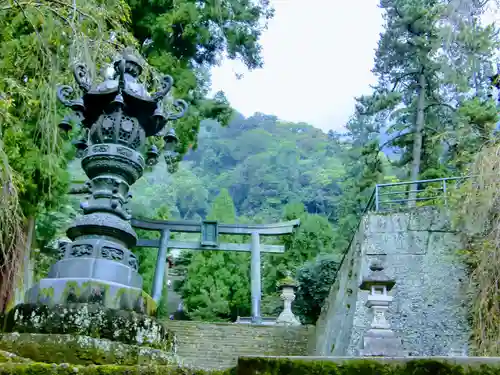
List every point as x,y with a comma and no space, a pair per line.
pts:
92,291
66,369
286,281
91,320
80,350
71,290
47,293
11,357
150,304
286,366
122,300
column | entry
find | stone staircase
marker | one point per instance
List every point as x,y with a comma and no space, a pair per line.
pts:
213,346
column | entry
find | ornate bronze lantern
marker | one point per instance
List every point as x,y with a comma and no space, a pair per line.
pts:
115,117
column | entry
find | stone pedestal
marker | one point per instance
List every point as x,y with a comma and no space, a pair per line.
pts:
380,340
91,320
381,343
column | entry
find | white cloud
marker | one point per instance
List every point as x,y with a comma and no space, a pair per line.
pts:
317,55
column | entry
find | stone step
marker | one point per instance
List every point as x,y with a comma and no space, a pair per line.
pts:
197,359
218,345
209,364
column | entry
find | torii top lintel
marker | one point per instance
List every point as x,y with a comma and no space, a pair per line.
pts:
195,227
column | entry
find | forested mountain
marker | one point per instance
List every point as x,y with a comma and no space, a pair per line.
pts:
265,164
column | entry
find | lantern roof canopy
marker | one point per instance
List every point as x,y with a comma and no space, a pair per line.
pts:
377,277
123,89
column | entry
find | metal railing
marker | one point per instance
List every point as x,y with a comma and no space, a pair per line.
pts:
398,195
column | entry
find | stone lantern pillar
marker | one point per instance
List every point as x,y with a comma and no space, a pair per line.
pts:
379,340
287,317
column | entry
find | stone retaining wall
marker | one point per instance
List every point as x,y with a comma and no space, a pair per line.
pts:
429,312
218,345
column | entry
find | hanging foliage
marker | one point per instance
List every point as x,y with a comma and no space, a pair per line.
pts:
476,208
40,41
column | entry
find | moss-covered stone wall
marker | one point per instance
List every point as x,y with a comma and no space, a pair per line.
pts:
65,369
280,366
376,366
77,350
218,345
93,320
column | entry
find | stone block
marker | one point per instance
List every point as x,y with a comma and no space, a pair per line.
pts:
383,223
395,243
430,219
445,281
80,350
382,343
90,320
442,222
421,219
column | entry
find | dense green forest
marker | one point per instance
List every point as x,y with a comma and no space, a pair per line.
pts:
432,109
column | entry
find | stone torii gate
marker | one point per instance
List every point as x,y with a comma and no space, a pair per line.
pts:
210,231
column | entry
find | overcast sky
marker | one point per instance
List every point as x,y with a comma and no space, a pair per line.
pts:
317,55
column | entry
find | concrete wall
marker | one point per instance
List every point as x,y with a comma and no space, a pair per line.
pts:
218,345
429,312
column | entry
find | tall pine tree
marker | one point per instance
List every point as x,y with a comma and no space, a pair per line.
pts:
406,64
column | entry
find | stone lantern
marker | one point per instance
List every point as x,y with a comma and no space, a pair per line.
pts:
287,286
113,118
379,340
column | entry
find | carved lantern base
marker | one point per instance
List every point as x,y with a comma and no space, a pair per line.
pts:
98,266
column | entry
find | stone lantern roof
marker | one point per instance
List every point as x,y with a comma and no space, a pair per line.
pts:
377,277
288,281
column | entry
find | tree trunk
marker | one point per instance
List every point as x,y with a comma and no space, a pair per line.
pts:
417,140
475,65
12,288
27,266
